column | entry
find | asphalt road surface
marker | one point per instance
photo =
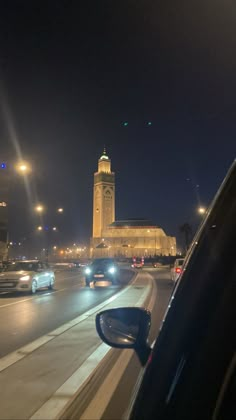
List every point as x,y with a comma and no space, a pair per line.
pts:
88,401
121,397
24,318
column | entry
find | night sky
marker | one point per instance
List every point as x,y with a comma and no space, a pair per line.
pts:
72,72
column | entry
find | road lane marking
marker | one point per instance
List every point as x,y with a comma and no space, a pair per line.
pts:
18,354
14,303
42,295
57,405
66,391
39,296
63,395
80,282
99,403
102,397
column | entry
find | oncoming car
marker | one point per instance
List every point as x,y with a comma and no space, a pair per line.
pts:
23,276
101,269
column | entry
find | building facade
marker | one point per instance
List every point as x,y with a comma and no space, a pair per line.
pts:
122,238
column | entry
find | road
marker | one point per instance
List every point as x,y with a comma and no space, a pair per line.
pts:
24,318
115,409
40,377
90,399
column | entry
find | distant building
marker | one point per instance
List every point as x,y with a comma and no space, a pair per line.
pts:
122,238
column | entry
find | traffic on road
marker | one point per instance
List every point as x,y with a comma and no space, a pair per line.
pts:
38,325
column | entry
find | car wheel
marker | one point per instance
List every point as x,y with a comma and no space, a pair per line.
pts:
51,284
33,287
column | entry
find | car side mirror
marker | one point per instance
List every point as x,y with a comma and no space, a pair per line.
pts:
126,328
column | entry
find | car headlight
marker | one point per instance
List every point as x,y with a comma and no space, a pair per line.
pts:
87,270
112,270
24,278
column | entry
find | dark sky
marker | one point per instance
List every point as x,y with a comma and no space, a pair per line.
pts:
72,71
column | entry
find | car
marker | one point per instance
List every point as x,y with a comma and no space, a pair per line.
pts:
190,369
137,262
156,264
176,270
26,276
83,264
102,269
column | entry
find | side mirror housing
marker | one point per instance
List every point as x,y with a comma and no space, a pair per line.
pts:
126,328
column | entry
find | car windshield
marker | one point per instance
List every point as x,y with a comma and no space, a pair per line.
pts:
21,266
102,261
117,125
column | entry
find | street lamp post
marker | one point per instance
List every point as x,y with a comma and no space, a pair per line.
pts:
46,231
40,209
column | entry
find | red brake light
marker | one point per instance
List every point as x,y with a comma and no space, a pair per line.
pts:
150,358
178,270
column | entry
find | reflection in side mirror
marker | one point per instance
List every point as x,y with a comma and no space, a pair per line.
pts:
126,328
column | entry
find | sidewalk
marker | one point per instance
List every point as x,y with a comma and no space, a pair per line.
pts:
52,368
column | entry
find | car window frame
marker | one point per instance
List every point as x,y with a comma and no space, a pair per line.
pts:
164,363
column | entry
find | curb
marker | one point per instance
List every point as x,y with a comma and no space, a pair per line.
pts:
98,405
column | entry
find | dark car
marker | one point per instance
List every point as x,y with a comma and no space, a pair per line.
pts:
190,372
102,269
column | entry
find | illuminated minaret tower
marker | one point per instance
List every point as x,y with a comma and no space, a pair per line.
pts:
103,196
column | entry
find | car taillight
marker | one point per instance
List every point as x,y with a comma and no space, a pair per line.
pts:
150,358
178,270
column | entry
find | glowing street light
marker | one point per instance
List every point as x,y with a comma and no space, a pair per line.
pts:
54,228
39,208
201,210
60,210
40,228
23,168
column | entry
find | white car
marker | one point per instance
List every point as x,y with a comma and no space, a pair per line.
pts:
23,276
177,269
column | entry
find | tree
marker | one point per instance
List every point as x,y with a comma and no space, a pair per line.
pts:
186,230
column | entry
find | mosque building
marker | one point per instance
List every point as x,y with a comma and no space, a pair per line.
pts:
122,238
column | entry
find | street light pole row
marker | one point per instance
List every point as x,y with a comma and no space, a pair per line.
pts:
41,209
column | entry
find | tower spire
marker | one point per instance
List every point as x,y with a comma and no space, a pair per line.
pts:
104,154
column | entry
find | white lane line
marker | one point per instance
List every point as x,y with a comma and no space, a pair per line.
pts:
19,354
56,406
102,397
98,404
14,303
45,294
64,394
37,297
